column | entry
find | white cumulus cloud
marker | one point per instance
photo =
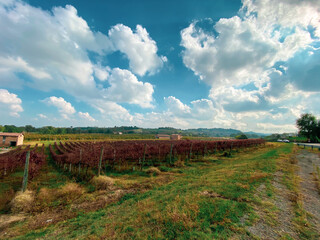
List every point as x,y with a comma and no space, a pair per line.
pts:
125,88
140,49
54,52
64,107
86,116
10,102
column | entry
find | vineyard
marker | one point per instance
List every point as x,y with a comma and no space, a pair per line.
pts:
124,155
161,189
79,157
15,160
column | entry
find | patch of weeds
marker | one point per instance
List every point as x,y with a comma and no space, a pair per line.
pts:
129,173
126,197
219,216
90,188
34,235
165,169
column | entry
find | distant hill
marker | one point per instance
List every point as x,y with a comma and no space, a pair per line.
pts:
255,135
212,132
196,132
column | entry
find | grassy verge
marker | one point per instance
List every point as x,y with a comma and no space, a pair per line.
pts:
316,175
204,200
292,181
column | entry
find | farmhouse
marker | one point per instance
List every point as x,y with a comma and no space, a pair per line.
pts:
168,137
163,136
175,137
11,139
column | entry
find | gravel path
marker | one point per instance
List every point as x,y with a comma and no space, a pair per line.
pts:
283,216
311,197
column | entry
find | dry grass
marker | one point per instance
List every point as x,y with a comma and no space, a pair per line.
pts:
244,186
22,202
70,191
316,175
46,195
255,176
102,182
153,170
5,198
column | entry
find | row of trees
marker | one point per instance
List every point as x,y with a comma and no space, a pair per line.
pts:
309,127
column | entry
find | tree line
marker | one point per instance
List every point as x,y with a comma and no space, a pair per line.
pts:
67,130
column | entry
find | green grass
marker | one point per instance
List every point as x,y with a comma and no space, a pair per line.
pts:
206,200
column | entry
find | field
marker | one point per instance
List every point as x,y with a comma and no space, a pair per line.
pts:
212,193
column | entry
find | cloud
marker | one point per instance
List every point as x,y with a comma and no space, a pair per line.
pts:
240,52
303,71
286,13
65,108
239,100
261,65
278,128
86,116
111,111
177,107
42,116
78,31
245,48
125,88
102,73
139,48
202,109
49,49
10,102
55,48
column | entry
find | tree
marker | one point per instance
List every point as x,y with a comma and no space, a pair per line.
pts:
29,128
308,126
241,136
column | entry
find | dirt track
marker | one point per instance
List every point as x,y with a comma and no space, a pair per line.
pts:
311,198
282,201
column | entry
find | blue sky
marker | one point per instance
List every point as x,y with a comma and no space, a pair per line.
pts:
247,65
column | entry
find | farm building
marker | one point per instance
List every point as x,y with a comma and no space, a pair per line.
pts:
168,137
11,139
175,137
163,136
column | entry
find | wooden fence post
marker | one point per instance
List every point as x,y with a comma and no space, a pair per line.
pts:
170,153
80,161
205,150
190,155
26,172
144,154
231,148
100,161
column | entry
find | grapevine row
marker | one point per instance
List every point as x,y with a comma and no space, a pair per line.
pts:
140,152
15,159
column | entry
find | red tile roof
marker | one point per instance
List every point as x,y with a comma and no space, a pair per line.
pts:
10,134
